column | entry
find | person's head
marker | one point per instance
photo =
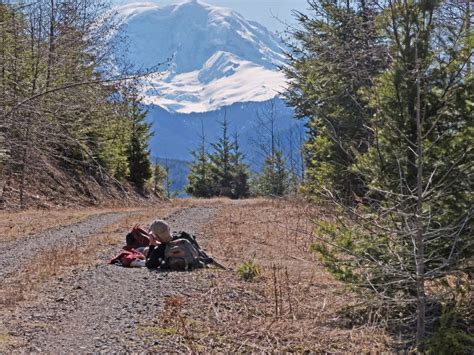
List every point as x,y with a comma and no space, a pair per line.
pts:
161,230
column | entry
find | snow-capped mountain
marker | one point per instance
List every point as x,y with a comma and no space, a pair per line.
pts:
216,57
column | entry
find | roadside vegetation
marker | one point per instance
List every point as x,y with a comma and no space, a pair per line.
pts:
387,90
384,88
293,305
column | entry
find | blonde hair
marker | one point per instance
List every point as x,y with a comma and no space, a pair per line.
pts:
161,230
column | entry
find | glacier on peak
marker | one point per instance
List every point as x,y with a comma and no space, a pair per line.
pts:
217,56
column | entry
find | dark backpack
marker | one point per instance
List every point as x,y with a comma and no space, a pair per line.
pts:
181,253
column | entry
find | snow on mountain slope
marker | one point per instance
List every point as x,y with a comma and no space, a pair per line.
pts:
221,64
217,57
220,83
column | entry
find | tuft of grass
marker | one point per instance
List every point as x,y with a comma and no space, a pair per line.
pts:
249,270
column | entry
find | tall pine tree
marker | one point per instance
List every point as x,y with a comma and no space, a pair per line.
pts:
335,56
222,161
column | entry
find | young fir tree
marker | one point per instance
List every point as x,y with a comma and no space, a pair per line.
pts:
273,181
159,179
200,183
222,163
421,158
137,152
168,181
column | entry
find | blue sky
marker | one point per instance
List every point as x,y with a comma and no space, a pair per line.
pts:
262,11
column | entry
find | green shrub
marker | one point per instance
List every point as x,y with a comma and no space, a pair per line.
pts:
249,270
450,337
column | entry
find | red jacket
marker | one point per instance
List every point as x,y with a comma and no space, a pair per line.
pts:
127,256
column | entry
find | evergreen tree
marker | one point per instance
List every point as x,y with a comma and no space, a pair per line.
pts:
137,152
200,183
168,182
159,179
412,230
334,58
59,116
273,181
222,173
419,163
222,163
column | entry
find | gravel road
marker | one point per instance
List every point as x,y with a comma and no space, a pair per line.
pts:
29,247
105,308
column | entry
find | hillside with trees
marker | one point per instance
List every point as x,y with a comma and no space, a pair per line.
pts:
70,130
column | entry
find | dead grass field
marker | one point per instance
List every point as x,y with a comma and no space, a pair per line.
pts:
292,307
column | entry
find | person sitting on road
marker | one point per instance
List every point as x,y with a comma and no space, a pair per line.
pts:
135,251
138,238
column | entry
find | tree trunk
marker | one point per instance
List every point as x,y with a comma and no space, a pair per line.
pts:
51,45
419,242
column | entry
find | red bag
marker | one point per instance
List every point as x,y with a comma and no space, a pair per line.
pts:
126,257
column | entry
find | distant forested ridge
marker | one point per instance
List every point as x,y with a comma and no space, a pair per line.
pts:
70,130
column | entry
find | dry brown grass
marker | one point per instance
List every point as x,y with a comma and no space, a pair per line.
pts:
293,307
69,256
14,225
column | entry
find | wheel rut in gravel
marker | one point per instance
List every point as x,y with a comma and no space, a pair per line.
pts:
105,308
